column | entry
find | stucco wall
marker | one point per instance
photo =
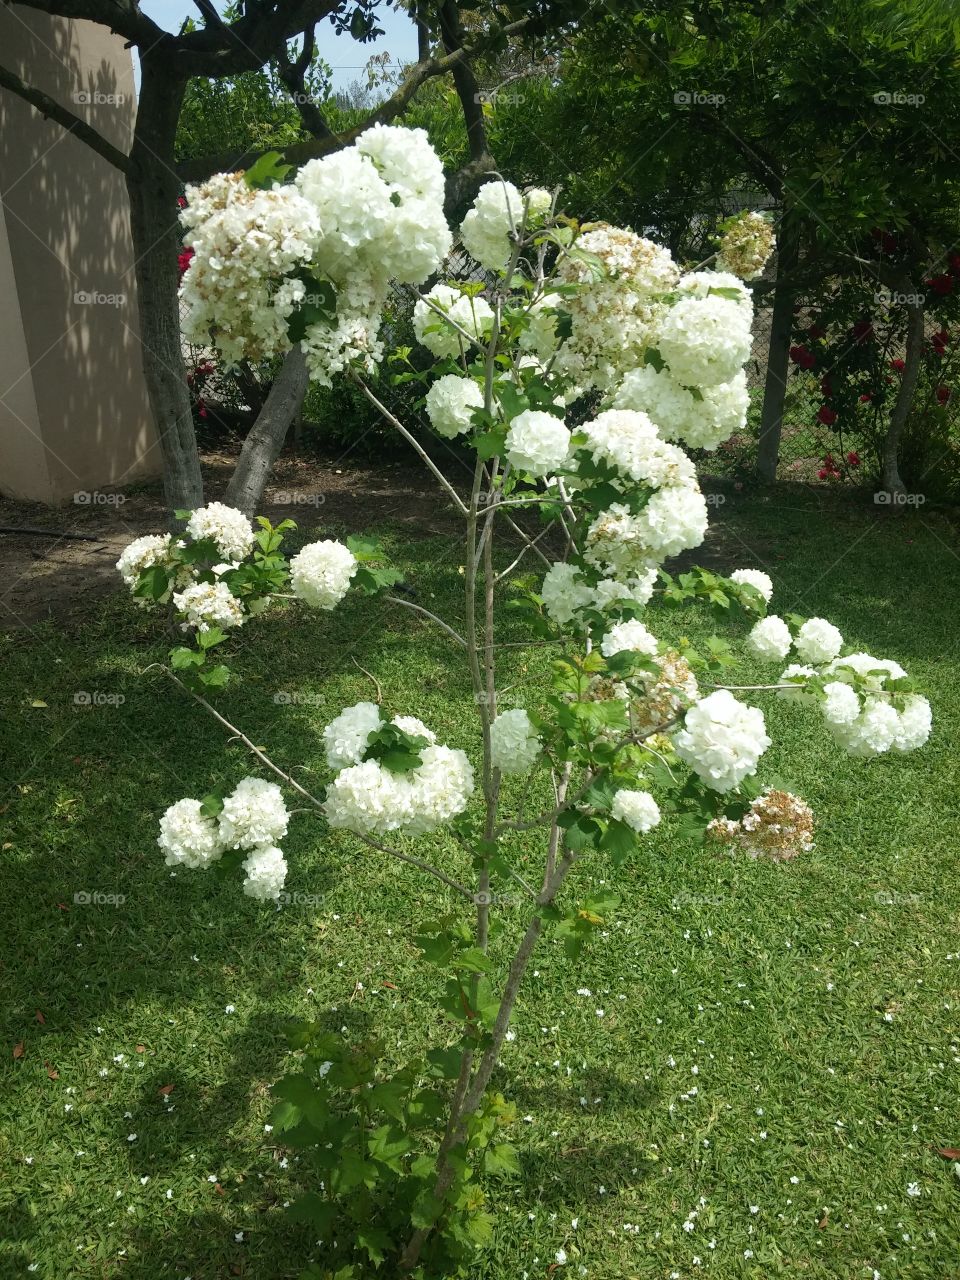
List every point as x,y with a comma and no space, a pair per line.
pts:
73,408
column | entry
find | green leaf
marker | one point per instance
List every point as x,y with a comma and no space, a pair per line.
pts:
375,1241
211,805
315,1212
267,171
153,583
319,306
619,841
426,1211
181,659
500,1160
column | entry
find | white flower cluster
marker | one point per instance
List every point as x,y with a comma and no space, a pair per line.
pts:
629,441
450,403
665,695
565,592
245,243
755,578
320,573
705,340
746,245
142,554
778,825
253,818
470,317
514,742
369,799
637,809
700,423
628,637
722,740
206,605
537,442
227,528
816,642
674,520
770,639
495,215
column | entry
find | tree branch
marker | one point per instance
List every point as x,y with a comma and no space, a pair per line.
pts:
50,109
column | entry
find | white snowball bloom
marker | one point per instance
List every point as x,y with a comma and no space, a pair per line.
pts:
722,740
770,639
254,814
754,578
537,442
873,732
611,592
873,672
514,743
405,160
495,214
564,592
540,337
799,694
916,721
700,423
345,737
705,340
450,403
840,703
442,786
630,636
370,800
209,604
637,809
699,284
142,554
321,573
628,440
818,641
266,873
472,314
230,529
674,520
416,728
746,244
187,838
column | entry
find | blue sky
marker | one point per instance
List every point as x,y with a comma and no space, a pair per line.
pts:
344,54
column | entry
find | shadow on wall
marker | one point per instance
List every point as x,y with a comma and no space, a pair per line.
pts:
73,405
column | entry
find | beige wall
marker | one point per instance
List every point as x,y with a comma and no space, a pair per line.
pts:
73,407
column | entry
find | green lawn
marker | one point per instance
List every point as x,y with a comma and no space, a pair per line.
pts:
768,1053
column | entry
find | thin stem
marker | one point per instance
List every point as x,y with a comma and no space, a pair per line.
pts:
408,604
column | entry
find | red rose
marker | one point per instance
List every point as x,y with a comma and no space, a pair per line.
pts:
826,415
862,331
866,398
943,395
802,357
898,365
826,386
184,258
853,458
816,331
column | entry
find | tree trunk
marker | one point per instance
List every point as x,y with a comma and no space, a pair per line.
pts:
266,436
153,188
912,357
778,353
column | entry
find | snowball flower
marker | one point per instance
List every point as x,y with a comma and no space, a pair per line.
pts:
266,872
840,703
228,528
514,744
754,578
916,721
705,340
345,737
471,314
873,732
630,636
450,403
494,215
722,740
778,825
628,440
637,809
253,815
770,639
209,604
369,799
796,672
700,284
187,837
537,442
142,554
700,423
564,592
818,641
872,672
746,244
320,574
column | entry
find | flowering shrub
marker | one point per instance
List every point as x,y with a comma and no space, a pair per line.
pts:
630,732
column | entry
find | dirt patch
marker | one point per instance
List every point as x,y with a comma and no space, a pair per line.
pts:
67,564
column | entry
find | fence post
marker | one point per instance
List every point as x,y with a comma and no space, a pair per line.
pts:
778,352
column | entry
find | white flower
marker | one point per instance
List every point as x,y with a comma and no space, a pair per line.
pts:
471,314
611,592
674,520
229,529
345,737
722,740
796,672
628,440
770,639
266,870
840,703
818,641
700,284
916,721
745,245
188,838
209,604
494,215
369,799
450,403
514,743
564,592
320,574
405,160
705,340
873,732
142,554
871,672
754,578
630,636
537,442
254,814
416,728
637,809
702,423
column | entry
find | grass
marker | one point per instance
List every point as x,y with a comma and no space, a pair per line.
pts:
813,1006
